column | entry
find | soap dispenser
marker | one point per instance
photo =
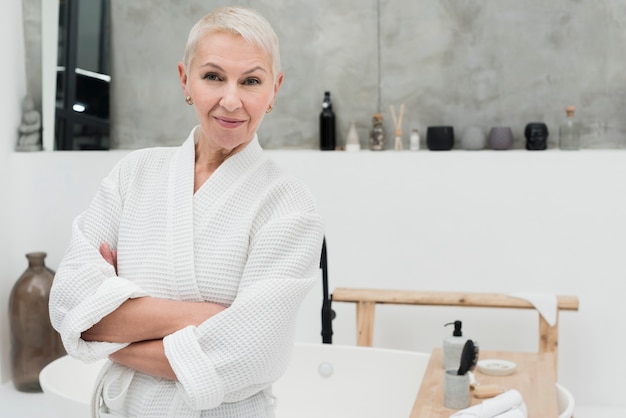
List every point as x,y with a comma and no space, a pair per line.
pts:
453,346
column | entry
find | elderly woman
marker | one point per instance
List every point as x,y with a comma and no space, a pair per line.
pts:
188,268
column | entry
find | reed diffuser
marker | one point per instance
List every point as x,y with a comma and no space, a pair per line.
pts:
397,122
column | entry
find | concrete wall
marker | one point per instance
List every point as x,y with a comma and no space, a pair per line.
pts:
458,63
451,62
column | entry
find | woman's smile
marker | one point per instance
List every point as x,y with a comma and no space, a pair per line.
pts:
229,123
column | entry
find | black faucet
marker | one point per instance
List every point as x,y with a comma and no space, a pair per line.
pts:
327,313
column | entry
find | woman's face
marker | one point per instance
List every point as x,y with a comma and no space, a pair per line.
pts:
232,86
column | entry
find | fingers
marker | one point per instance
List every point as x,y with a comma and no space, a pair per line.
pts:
106,253
109,255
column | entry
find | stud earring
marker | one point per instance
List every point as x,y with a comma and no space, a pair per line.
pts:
189,100
269,109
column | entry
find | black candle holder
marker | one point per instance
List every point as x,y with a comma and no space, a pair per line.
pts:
440,138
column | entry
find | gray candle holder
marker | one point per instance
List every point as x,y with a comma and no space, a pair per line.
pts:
473,138
500,138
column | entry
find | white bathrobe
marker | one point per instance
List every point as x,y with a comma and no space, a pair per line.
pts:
250,238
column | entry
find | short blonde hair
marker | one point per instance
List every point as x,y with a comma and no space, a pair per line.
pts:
247,23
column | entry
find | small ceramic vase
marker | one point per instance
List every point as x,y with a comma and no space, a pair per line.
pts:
500,138
473,138
352,139
440,138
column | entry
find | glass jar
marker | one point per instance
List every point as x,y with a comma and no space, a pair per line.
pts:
569,131
377,134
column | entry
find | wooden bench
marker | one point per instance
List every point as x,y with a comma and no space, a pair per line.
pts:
366,300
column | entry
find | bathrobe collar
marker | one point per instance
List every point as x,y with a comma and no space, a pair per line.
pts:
187,210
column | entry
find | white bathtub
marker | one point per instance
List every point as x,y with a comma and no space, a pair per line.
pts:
347,381
322,381
329,381
67,384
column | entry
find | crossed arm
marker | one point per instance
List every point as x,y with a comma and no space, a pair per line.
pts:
144,322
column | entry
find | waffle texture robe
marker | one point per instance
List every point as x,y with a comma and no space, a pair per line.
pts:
250,238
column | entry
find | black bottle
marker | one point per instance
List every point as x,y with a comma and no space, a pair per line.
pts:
327,124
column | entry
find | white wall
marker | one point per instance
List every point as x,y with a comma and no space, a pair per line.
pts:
485,221
468,221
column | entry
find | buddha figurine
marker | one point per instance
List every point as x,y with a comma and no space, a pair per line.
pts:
30,128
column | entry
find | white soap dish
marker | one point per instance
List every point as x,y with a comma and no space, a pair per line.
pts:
496,367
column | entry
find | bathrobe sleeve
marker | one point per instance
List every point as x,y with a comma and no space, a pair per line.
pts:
85,287
245,348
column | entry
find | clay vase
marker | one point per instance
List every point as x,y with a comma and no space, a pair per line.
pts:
34,343
500,138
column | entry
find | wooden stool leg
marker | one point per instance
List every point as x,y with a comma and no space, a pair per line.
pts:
549,338
365,323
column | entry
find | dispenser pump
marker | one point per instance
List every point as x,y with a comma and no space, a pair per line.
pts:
453,346
457,328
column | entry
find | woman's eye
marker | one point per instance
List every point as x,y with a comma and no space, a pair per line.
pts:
252,81
211,76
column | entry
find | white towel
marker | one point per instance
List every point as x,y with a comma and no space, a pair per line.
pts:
545,303
506,405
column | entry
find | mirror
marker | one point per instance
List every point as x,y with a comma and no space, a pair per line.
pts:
83,75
